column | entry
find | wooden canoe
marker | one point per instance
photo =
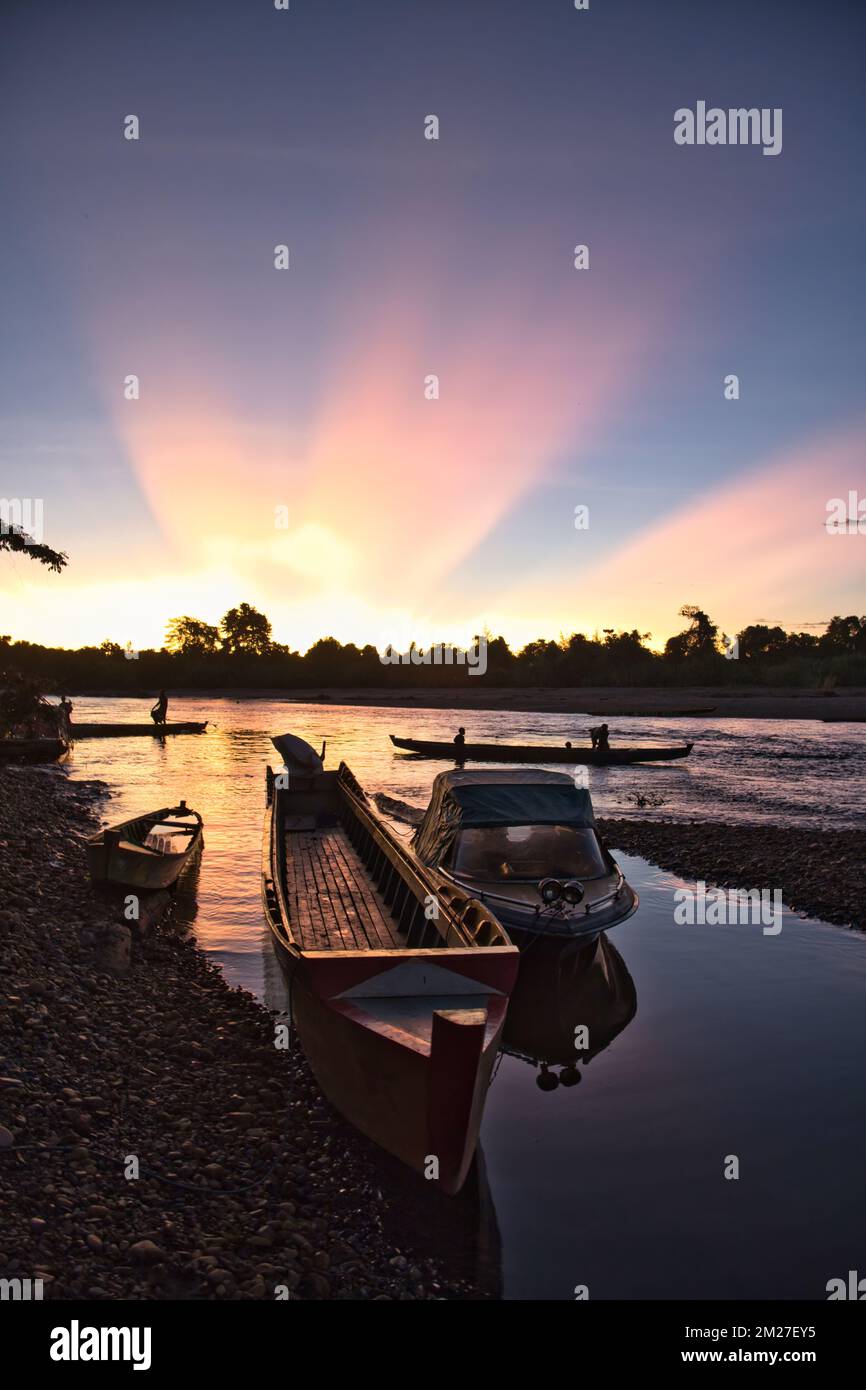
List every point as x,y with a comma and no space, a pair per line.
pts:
400,1016
147,852
538,753
33,750
135,730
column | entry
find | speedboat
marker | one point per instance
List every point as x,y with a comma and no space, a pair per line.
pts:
525,844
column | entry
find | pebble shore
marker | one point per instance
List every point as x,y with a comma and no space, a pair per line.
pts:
121,1047
821,873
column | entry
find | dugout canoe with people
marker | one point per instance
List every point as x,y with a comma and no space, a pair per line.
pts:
566,752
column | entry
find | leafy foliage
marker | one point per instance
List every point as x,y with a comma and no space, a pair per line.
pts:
241,653
246,630
192,637
15,539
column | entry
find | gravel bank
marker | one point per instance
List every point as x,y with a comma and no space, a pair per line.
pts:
820,873
249,1186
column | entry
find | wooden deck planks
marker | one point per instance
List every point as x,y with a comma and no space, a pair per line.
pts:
336,930
374,923
306,926
343,895
333,902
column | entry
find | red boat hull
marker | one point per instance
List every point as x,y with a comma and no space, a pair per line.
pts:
409,1070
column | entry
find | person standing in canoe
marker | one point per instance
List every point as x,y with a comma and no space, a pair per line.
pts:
460,737
160,709
64,716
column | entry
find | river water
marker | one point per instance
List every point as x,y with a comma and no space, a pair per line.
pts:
710,1044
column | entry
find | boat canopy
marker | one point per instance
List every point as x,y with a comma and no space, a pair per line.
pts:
463,800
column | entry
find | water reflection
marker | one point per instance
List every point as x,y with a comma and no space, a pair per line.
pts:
563,989
185,894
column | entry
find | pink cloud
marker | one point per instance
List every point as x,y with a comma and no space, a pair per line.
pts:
757,547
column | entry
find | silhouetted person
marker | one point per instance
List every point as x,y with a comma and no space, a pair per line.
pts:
603,742
460,737
64,718
160,709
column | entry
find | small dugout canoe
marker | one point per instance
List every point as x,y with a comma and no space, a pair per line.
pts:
136,730
33,750
538,753
147,852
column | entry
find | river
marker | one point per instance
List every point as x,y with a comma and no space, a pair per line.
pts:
711,1043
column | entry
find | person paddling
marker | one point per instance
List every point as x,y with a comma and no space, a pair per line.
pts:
460,737
160,709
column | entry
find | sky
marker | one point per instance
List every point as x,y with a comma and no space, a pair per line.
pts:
283,449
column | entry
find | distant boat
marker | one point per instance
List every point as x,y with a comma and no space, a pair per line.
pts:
399,1009
538,753
653,713
147,852
135,730
33,750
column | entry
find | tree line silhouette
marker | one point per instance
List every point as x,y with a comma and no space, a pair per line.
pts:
241,653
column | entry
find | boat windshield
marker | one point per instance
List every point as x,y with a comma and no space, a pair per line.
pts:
528,852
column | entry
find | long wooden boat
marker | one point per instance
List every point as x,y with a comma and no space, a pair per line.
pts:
538,753
149,851
399,981
136,730
33,750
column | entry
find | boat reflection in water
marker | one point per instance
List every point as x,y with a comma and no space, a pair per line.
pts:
568,1005
185,905
560,987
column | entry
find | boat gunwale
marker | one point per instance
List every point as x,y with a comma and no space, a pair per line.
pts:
150,818
420,882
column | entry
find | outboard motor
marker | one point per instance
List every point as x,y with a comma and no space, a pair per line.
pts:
298,756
